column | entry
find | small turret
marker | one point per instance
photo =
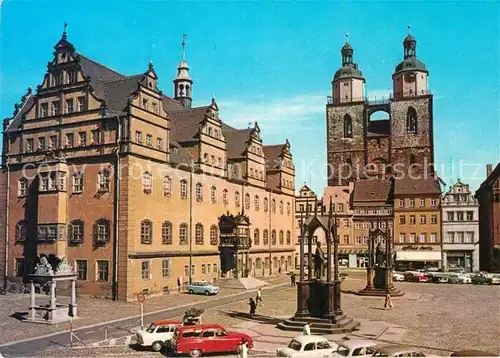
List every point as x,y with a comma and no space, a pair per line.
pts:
183,83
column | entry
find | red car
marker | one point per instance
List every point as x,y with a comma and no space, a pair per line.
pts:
206,338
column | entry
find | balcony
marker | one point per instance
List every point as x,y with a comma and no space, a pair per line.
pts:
335,101
241,243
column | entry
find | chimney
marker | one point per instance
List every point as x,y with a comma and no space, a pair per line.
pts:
488,170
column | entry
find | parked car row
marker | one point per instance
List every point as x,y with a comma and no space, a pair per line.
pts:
447,277
319,347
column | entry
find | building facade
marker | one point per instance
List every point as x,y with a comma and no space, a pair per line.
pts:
417,223
128,184
359,146
488,196
372,203
460,216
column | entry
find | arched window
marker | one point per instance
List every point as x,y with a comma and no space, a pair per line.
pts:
411,121
199,192
213,195
273,237
78,182
167,186
273,206
22,187
281,207
256,237
256,203
184,188
412,159
224,197
247,201
281,238
166,233
146,232
75,232
265,237
288,208
266,205
237,199
21,231
147,183
288,237
347,126
198,234
258,264
183,234
213,235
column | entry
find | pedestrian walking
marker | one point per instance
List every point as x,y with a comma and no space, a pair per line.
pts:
388,302
253,306
179,284
306,331
258,299
243,348
292,279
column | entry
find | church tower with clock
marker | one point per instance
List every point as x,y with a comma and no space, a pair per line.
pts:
359,146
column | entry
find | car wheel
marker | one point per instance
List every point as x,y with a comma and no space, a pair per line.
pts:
157,346
195,353
191,291
207,293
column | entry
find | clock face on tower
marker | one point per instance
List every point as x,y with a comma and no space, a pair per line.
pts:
410,77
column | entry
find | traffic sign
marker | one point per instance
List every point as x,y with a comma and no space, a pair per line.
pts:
141,298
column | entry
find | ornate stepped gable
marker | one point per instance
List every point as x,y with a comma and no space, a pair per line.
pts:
114,92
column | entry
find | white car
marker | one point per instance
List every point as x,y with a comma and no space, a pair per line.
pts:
157,334
308,346
356,348
398,277
464,278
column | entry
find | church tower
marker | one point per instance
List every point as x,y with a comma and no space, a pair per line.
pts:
411,114
346,123
183,84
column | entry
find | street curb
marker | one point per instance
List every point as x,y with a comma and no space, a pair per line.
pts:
138,316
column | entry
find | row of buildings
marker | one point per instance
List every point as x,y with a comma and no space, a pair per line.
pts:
139,190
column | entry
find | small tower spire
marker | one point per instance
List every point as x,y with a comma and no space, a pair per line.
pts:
409,29
65,34
184,38
346,38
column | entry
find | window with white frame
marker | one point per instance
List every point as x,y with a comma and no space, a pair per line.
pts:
96,136
256,203
422,219
102,272
433,219
225,200
198,234
237,199
422,238
401,203
102,231
402,237
183,189
69,140
55,108
413,238
147,183
41,143
81,270
52,142
469,237
266,205
288,208
166,233
433,237
213,195
69,105
76,231
22,189
29,145
78,182
138,137
159,143
199,192
213,235
149,140
450,237
44,110
81,103
165,268
145,270
433,202
281,207
167,186
146,232
183,234
104,180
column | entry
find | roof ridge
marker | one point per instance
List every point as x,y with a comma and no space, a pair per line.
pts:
122,79
100,64
186,109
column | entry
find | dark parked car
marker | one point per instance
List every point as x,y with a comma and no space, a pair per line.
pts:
472,353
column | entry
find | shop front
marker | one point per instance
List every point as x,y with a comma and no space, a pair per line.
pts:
458,260
353,257
417,258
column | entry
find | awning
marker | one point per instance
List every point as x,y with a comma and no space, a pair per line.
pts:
418,256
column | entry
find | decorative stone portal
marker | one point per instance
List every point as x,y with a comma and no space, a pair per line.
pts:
53,312
318,298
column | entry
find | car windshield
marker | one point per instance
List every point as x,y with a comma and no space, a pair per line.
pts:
294,345
343,351
151,328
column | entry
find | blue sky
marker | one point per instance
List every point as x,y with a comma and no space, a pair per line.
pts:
274,62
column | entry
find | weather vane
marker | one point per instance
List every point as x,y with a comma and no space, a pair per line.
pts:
409,28
184,37
346,37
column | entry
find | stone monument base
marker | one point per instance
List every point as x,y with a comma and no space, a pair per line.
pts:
49,315
340,324
381,283
380,292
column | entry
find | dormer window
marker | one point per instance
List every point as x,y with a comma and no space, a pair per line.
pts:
69,105
55,108
58,79
145,104
155,106
29,145
44,109
81,104
72,77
